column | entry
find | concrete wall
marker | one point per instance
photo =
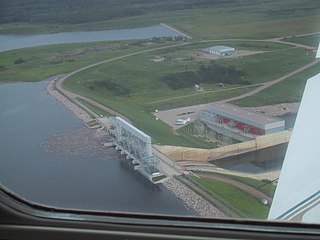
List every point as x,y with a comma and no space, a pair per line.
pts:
197,154
230,132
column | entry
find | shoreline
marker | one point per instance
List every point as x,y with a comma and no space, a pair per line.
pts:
192,200
176,30
76,110
185,195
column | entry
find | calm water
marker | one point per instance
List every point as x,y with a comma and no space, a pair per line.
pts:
263,160
9,42
28,116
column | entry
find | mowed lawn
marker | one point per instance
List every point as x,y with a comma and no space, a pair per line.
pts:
248,205
290,90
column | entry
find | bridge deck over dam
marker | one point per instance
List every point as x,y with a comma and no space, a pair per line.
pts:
203,155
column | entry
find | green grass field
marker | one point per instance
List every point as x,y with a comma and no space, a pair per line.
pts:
310,40
41,62
261,185
293,88
249,206
95,109
140,77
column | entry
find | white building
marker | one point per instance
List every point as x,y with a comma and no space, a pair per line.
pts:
220,50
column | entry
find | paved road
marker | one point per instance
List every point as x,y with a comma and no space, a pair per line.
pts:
73,96
169,116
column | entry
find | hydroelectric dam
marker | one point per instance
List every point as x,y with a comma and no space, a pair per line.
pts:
137,146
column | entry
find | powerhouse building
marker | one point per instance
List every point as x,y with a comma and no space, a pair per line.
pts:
220,50
239,123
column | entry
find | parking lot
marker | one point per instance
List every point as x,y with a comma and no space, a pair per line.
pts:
170,116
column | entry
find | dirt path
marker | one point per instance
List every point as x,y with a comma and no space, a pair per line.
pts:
273,82
251,190
169,116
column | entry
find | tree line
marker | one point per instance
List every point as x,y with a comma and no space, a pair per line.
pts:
80,11
212,73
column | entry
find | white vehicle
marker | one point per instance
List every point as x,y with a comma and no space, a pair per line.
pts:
182,121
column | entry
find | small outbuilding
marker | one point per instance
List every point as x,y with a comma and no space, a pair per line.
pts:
220,50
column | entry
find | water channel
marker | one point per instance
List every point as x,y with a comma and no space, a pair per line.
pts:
10,42
29,116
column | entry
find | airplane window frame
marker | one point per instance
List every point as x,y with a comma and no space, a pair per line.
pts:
20,219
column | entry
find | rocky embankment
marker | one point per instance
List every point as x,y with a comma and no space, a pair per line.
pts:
191,199
80,113
79,142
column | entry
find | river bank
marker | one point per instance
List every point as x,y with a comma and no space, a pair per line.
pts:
192,200
85,141
76,110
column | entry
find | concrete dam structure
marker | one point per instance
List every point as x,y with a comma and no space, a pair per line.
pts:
205,155
136,145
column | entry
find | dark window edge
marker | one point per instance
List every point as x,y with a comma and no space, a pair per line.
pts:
18,215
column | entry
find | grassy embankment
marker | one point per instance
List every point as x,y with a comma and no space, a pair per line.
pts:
95,109
293,86
290,90
262,185
232,197
227,197
142,78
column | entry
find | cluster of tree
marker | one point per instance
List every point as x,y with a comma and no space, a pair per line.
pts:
212,73
19,60
79,11
111,85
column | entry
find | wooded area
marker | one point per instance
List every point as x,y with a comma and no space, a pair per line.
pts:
212,73
80,11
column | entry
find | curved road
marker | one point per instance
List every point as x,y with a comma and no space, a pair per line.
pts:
73,96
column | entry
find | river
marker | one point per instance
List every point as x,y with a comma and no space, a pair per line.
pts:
29,116
10,42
